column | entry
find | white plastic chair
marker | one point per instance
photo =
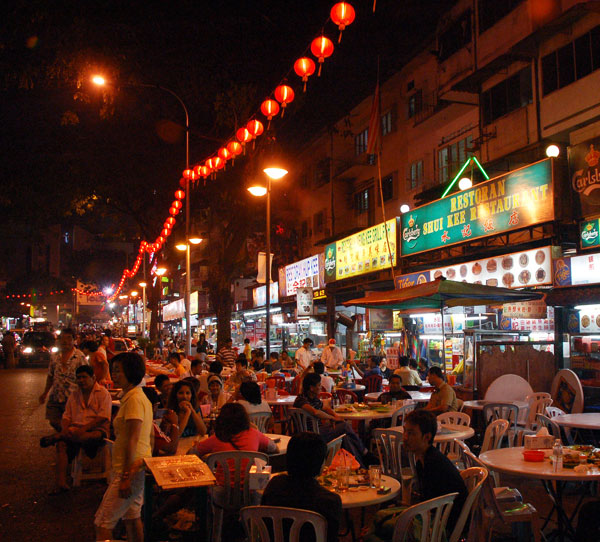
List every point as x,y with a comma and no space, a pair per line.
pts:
333,447
235,493
537,405
261,420
474,478
401,413
253,518
492,439
302,421
104,455
434,516
503,411
452,418
553,411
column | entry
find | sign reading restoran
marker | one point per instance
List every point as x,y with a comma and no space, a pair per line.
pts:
363,252
516,200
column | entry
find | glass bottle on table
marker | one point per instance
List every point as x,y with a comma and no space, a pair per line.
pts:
557,455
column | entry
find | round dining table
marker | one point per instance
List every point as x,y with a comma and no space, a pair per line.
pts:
282,400
418,396
447,432
584,420
511,461
363,414
184,445
480,403
356,388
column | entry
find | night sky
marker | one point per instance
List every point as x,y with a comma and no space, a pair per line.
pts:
63,140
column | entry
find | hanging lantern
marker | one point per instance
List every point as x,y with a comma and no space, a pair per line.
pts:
165,232
224,154
171,221
204,171
183,182
342,14
179,194
173,211
218,162
160,240
269,108
255,127
322,48
235,147
304,67
177,204
187,173
243,135
284,95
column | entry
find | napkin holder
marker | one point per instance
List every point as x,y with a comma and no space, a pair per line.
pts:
259,475
538,442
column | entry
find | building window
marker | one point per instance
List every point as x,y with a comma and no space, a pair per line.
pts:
491,11
455,37
386,123
304,229
322,173
361,141
415,103
571,62
415,175
319,222
452,157
387,187
361,201
509,95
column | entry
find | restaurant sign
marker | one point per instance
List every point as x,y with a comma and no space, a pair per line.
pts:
259,295
536,309
361,253
305,273
174,310
589,233
412,279
513,201
584,161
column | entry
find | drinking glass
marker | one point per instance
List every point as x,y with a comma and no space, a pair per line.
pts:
343,476
375,476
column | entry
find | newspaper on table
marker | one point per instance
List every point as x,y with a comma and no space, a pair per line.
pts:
177,471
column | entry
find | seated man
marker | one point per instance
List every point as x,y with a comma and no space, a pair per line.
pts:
436,474
195,368
409,376
443,399
331,425
85,424
214,369
327,382
241,374
163,386
397,392
299,488
273,364
373,369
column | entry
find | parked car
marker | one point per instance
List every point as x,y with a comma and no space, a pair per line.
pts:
121,345
37,348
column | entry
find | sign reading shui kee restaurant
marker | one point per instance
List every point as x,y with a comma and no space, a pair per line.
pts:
513,201
361,253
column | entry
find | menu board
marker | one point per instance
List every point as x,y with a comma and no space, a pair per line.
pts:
305,273
180,471
529,324
516,270
589,319
577,270
364,252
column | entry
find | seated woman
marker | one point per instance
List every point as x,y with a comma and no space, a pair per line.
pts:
251,399
172,368
216,397
184,403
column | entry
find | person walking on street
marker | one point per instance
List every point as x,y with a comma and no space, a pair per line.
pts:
61,379
9,344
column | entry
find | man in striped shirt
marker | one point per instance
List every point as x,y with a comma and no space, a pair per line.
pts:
227,355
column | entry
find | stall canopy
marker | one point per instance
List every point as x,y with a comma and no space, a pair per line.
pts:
443,293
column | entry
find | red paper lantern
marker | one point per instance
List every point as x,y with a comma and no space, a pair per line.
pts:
269,108
235,147
187,173
165,232
160,240
284,95
243,135
173,211
218,162
342,14
183,182
322,48
224,154
170,221
255,127
177,204
304,67
179,194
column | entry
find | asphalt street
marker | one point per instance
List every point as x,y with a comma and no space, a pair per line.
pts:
27,512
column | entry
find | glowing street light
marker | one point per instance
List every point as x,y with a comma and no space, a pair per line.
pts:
552,151
99,80
160,271
465,183
143,286
404,208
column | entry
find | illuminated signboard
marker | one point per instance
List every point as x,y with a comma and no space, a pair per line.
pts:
361,253
174,310
259,295
577,270
304,273
513,201
589,233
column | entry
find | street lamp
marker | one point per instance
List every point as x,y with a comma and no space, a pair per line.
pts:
143,286
273,174
133,294
186,246
100,81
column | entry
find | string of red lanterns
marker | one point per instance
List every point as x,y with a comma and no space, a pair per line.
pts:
342,14
35,294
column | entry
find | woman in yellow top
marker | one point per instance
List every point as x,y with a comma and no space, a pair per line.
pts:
133,428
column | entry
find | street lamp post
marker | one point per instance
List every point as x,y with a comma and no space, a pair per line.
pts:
100,81
273,174
143,286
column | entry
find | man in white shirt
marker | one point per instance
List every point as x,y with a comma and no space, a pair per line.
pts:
409,376
332,356
327,382
304,355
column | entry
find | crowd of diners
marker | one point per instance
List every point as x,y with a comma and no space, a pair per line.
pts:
212,401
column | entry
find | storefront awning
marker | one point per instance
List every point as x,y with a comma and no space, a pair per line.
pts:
443,293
